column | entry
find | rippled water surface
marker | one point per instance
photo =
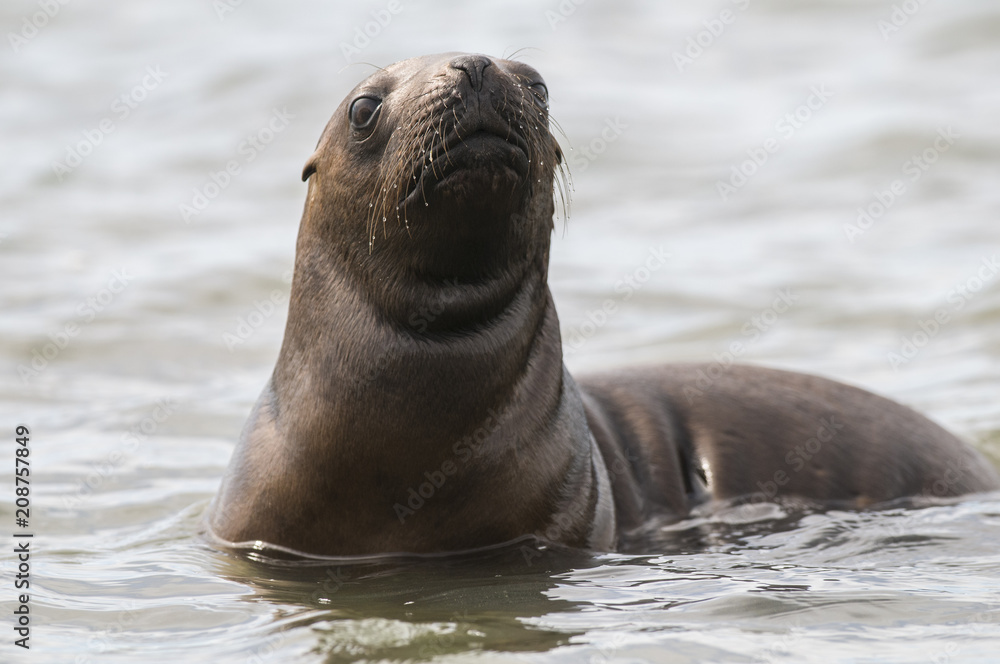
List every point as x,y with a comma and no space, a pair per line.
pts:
160,330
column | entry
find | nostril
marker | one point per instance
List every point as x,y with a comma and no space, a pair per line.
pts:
473,66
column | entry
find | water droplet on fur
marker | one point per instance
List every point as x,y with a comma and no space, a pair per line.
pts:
427,204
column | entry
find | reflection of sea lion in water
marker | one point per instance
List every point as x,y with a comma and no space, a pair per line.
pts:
420,402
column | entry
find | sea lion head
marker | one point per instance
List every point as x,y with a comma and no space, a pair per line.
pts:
437,167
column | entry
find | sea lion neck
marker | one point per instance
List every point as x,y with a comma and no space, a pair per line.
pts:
355,348
416,296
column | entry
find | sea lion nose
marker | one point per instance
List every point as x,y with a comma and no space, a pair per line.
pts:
473,66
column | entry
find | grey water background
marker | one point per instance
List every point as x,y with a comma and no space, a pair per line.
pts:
161,325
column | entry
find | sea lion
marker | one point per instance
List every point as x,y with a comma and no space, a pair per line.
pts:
420,402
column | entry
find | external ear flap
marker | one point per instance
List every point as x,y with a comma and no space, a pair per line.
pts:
310,166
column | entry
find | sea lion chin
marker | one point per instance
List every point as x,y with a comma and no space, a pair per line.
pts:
420,403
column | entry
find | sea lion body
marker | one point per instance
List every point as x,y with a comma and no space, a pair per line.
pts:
420,402
676,437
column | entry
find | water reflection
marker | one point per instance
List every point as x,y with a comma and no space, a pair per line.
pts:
405,607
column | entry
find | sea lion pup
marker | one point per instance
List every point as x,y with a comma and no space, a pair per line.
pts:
420,402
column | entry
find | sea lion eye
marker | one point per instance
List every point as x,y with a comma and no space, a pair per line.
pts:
541,92
363,112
